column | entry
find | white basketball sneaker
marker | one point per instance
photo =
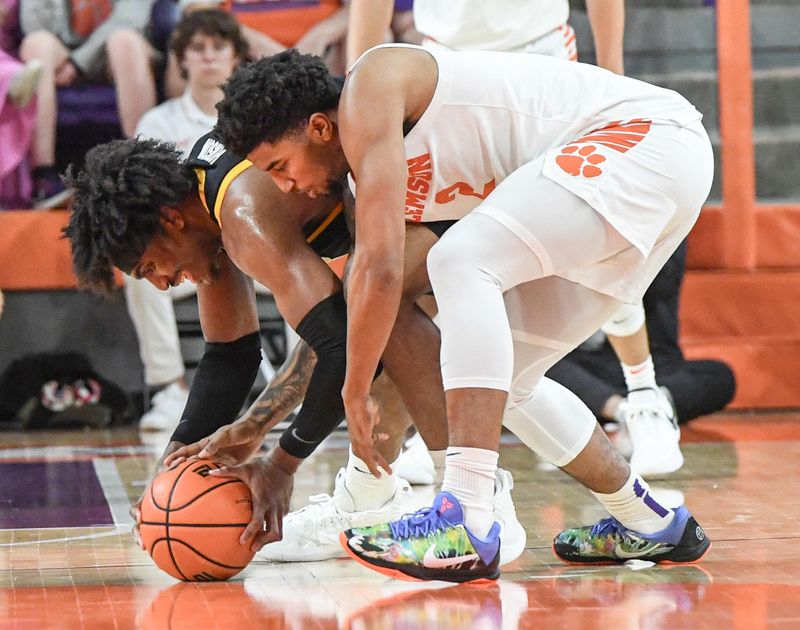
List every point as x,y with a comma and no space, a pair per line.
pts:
512,534
415,464
166,409
653,429
312,533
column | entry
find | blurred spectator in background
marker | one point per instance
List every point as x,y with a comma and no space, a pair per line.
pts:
207,45
18,84
697,388
93,41
315,27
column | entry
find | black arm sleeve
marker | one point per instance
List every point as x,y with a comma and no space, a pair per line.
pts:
224,376
324,328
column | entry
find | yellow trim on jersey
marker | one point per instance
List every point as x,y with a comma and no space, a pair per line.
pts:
232,174
201,186
334,213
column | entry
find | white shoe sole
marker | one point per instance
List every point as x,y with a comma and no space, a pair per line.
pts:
660,468
293,552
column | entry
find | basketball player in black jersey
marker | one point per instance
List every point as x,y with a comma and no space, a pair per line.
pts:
218,222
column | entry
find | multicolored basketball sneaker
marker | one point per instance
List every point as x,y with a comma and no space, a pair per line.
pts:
609,541
430,544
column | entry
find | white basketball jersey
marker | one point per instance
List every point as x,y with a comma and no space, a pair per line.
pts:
488,24
493,112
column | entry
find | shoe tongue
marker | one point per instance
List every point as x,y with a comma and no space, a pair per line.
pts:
449,507
643,396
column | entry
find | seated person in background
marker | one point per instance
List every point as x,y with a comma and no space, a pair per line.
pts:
98,41
18,84
315,27
208,45
697,388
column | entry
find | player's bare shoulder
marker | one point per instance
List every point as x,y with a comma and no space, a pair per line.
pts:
388,73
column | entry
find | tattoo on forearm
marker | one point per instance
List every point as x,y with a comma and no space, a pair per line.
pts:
287,388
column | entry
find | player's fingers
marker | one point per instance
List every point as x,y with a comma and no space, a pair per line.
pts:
369,459
382,463
263,538
254,527
174,462
209,446
380,437
274,521
230,471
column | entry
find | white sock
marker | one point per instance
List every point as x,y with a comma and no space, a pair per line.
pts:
641,376
634,507
438,458
469,476
368,491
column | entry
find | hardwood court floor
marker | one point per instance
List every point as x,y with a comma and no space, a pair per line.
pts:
67,559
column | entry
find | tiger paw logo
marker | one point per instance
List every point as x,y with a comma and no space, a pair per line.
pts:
581,161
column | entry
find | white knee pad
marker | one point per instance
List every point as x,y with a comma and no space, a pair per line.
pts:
553,422
626,321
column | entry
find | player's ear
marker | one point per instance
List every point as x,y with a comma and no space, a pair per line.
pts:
320,127
172,217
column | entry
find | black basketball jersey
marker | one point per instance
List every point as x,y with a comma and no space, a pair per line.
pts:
216,168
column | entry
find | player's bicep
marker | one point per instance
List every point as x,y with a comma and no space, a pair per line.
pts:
371,118
298,278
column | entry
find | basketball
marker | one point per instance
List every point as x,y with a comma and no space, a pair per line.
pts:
191,523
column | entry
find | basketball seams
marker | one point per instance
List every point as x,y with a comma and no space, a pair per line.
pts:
171,556
195,551
185,558
166,518
204,557
202,494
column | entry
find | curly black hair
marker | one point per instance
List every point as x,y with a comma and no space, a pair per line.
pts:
116,208
265,99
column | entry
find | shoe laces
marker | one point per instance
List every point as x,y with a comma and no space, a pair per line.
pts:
420,523
319,513
649,420
608,527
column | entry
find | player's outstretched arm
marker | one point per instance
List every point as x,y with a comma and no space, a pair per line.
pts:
229,365
236,443
386,88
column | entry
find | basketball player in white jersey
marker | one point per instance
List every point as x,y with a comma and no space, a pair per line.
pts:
569,185
540,27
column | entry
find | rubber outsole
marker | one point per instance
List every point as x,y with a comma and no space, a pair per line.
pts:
400,575
609,561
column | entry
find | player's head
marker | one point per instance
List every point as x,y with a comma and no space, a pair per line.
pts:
208,45
133,210
280,112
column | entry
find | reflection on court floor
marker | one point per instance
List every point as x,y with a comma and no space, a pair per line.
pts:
67,558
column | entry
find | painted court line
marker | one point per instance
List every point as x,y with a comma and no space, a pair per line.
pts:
114,491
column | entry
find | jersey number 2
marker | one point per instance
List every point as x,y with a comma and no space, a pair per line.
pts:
446,195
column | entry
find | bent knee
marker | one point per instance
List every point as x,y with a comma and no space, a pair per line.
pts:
126,41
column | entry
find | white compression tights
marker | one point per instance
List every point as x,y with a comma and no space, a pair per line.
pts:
506,319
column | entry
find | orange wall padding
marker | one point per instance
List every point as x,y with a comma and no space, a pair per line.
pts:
777,235
750,320
32,253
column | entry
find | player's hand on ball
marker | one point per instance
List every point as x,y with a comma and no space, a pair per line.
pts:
231,445
271,484
362,421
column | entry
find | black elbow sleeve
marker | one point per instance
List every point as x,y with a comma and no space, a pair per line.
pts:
224,376
324,328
